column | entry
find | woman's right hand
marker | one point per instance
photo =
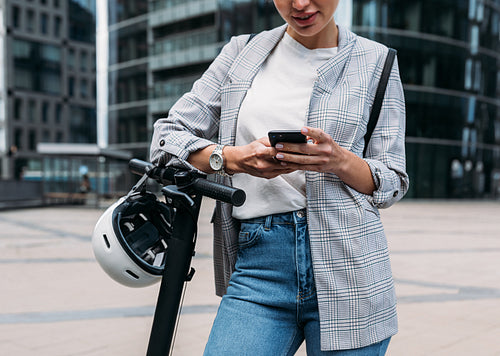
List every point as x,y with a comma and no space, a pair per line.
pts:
256,159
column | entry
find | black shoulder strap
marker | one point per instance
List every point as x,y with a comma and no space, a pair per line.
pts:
379,97
250,37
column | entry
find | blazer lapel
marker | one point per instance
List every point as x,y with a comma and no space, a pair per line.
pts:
240,76
332,107
253,55
330,72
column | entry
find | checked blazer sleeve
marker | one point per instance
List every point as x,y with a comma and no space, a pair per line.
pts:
386,149
193,121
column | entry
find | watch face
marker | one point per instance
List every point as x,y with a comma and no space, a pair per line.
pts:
216,162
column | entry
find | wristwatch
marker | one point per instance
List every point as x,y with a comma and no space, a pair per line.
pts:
216,160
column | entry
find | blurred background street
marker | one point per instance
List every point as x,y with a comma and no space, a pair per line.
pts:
55,299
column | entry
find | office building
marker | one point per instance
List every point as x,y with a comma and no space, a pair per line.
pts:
157,49
47,85
449,57
127,111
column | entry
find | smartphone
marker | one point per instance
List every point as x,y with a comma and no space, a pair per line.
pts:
293,136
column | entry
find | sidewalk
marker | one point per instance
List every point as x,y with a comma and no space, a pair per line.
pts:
56,301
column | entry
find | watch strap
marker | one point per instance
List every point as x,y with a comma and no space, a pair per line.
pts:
218,149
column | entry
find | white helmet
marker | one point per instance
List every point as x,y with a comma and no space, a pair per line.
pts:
130,239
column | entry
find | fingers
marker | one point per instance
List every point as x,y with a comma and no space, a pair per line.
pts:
264,141
260,160
317,135
318,155
276,170
314,136
302,167
299,161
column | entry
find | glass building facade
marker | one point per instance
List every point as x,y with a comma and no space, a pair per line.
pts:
48,78
157,49
449,57
128,75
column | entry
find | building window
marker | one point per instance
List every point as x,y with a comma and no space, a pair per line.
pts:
18,104
46,136
51,53
50,82
16,17
31,111
83,61
81,21
59,137
56,4
84,91
71,58
18,138
71,86
21,49
44,24
23,78
30,20
82,125
37,66
45,112
32,140
58,115
57,26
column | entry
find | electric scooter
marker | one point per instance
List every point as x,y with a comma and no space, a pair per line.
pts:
183,189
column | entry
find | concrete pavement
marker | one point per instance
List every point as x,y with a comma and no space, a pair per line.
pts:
55,299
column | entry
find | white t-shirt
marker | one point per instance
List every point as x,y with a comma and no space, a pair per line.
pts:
277,100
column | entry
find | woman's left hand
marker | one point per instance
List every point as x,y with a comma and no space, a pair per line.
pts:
323,154
320,154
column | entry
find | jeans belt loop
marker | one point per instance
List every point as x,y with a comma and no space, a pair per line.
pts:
269,222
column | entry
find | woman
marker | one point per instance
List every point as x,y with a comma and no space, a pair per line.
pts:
306,256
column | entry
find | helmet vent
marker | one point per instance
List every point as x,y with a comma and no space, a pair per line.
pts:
106,241
132,274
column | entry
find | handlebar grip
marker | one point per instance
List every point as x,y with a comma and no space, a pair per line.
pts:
220,192
139,167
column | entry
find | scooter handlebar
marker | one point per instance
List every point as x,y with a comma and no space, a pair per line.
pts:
140,167
220,192
199,184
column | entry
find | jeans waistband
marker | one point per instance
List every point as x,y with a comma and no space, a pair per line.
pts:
291,217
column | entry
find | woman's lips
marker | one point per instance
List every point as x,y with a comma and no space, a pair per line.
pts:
305,19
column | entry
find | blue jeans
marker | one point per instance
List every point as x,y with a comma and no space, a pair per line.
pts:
270,306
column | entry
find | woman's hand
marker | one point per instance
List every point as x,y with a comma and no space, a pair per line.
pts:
257,159
323,154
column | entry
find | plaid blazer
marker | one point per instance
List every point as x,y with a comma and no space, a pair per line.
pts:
355,289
